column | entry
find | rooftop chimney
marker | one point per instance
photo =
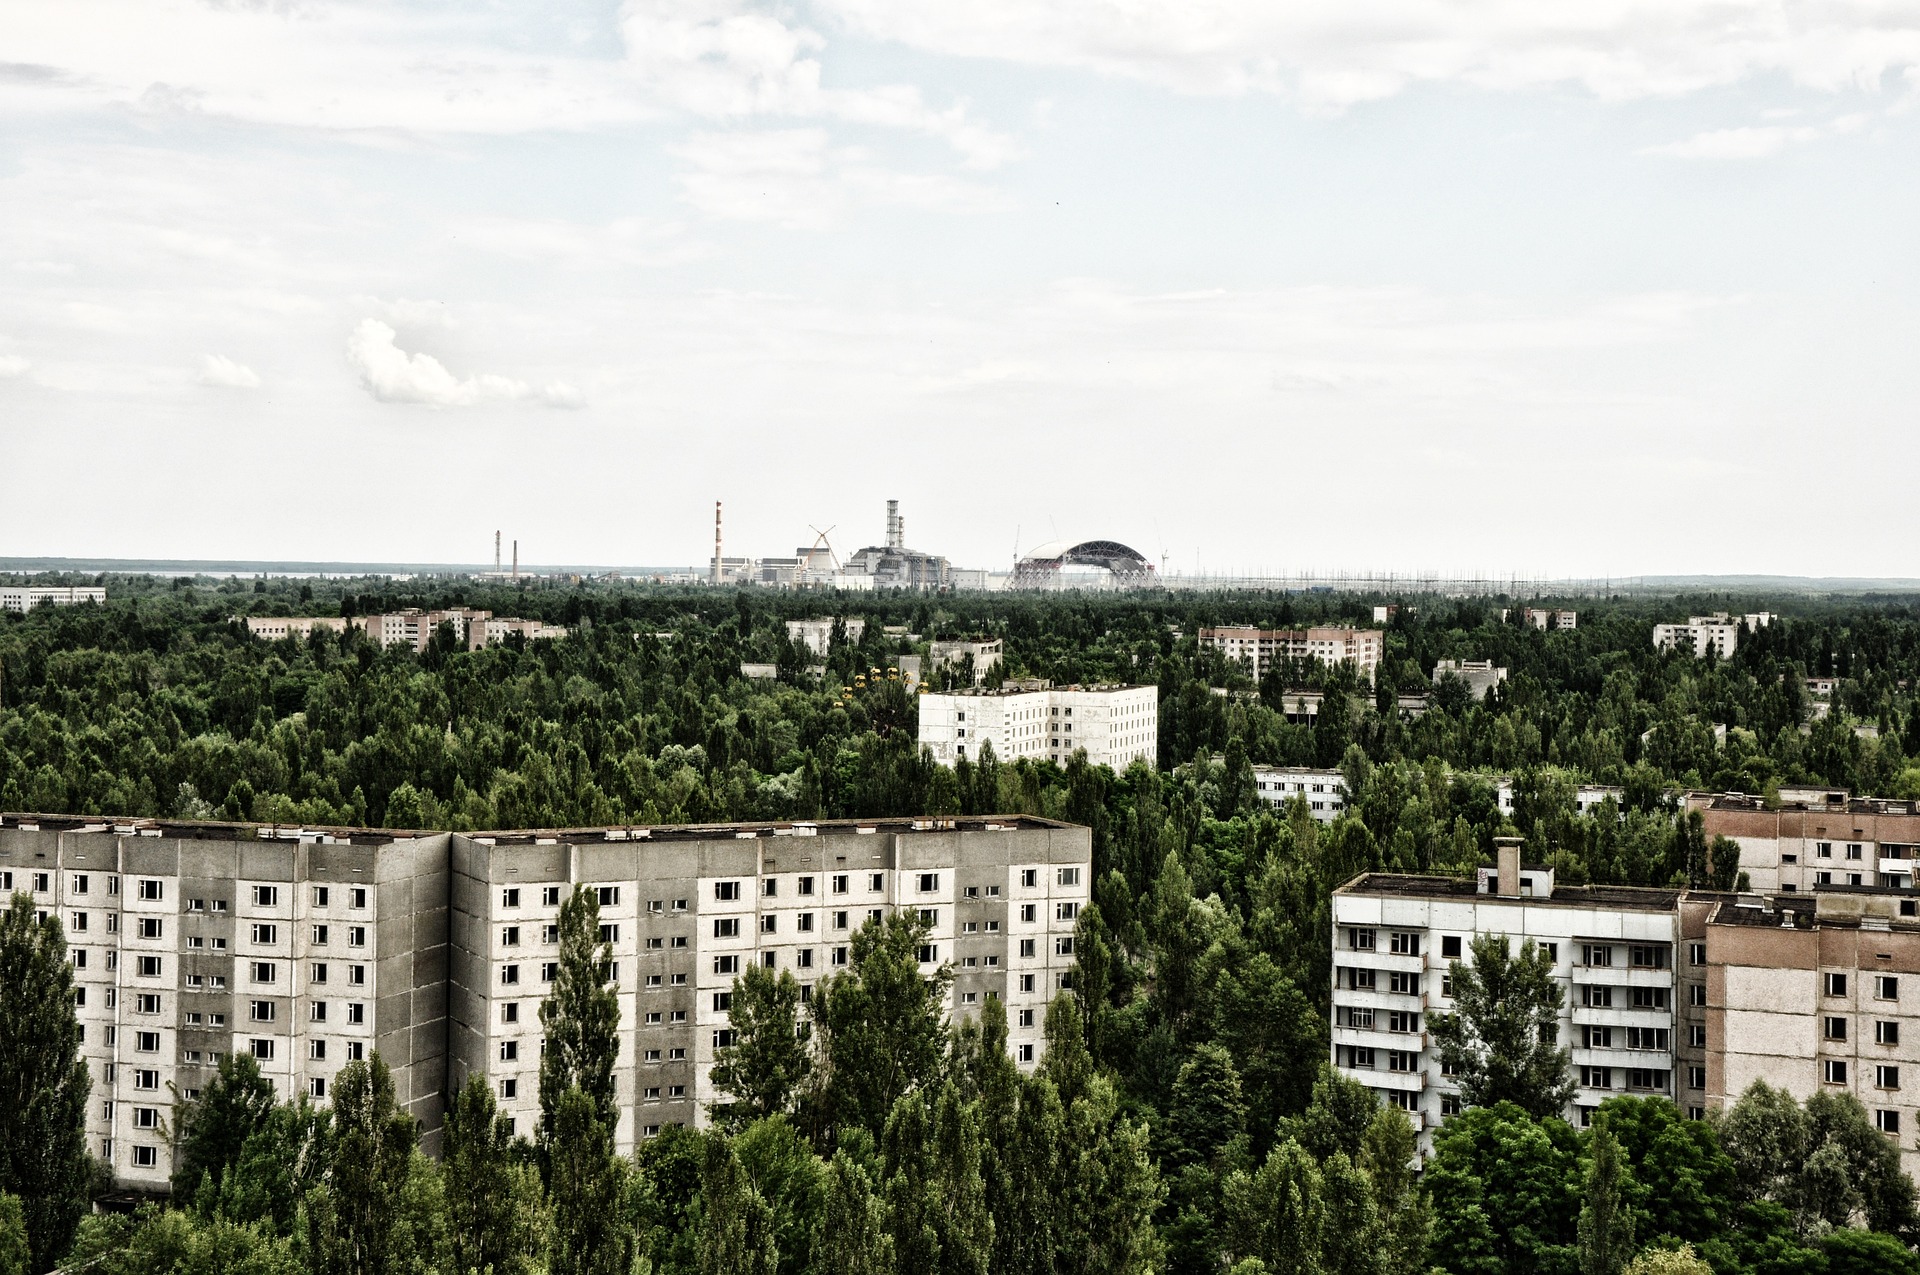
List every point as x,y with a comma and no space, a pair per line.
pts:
1506,851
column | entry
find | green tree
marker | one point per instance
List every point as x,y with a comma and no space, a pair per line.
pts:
782,1167
581,1018
1606,1218
736,1225
43,1153
883,1022
15,1253
1502,1038
354,1229
1669,1261
592,1234
853,1238
1208,1114
1277,1213
492,1222
214,1128
769,1058
1405,1217
1505,1191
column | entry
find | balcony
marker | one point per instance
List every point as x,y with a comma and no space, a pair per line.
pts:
1379,1038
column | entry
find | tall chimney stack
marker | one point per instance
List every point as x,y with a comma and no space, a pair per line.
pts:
896,526
718,574
496,553
1506,851
516,560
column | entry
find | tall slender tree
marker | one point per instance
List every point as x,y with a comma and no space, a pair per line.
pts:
768,1061
581,1017
214,1128
354,1229
43,1082
1606,1219
489,1227
882,1019
1502,1038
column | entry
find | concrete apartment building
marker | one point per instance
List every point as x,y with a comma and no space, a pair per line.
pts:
816,635
1814,838
1815,993
1633,1013
1719,632
689,909
1258,648
473,629
272,628
310,948
987,655
26,597
189,941
1325,791
1541,618
1116,724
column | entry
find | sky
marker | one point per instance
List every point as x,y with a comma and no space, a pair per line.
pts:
1597,287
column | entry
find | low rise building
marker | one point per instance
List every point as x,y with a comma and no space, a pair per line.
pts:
986,654
1614,952
1258,648
472,629
27,597
274,627
1324,791
817,635
1116,725
1480,676
310,948
1586,797
1540,618
1719,632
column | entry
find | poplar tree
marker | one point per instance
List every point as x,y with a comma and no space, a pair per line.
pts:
235,1103
1502,1038
769,1059
373,1140
736,1225
581,1017
488,1222
853,1236
43,1083
1606,1219
587,1185
883,1020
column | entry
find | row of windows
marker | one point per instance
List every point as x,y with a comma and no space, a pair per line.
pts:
1885,1075
1886,987
1884,1031
149,890
1601,996
733,891
1366,1019
1653,1038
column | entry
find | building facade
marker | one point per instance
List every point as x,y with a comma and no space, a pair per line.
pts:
1117,725
27,597
1817,994
1814,838
414,628
986,653
1479,676
1260,647
311,948
1324,791
1719,632
1615,952
1540,618
817,635
272,628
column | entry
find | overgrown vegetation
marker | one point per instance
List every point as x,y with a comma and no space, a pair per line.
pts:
1182,1118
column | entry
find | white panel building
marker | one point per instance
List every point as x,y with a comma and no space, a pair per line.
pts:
1324,791
1719,632
1116,724
1613,950
27,597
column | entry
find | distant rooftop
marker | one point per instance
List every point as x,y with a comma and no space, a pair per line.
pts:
1624,897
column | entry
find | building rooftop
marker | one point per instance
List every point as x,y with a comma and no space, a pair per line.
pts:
213,830
1014,689
1625,897
1837,802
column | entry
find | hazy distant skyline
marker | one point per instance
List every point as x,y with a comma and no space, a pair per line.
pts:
1574,290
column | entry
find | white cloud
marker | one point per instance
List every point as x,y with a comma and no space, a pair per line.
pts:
1755,141
1333,53
219,370
797,177
560,394
392,375
12,365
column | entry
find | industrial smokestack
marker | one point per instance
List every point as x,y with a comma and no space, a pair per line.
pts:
516,559
716,542
896,526
496,553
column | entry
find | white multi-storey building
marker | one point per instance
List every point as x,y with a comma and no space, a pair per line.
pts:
311,948
1116,725
1259,647
1324,791
986,654
1813,838
1719,632
27,597
1613,951
274,627
687,910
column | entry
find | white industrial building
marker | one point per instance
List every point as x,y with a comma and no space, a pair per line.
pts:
27,597
1324,791
1613,949
1116,725
1719,632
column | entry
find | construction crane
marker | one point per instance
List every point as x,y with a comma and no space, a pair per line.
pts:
820,543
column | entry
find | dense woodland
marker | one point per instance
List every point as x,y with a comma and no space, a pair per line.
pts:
1183,1119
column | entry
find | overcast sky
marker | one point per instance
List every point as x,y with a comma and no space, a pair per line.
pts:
1582,287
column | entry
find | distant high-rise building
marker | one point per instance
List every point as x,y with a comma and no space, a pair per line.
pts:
1261,647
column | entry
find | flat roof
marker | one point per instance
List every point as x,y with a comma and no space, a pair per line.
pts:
1852,806
215,830
1624,897
981,692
